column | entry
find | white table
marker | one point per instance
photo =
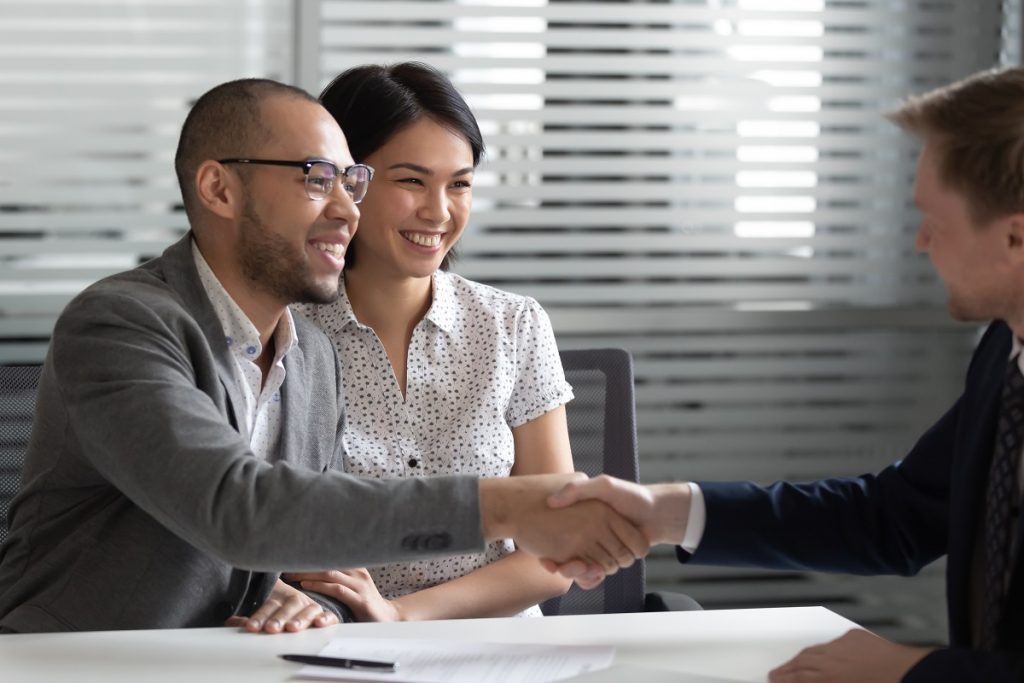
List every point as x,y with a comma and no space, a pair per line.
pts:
739,645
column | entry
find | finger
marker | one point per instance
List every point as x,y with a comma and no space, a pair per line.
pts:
576,491
599,556
330,575
634,542
623,555
570,569
258,619
591,578
332,589
304,618
805,666
289,609
325,618
236,621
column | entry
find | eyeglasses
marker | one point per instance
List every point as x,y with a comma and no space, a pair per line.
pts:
320,176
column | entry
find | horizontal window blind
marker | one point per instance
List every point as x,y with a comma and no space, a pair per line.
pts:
92,97
711,185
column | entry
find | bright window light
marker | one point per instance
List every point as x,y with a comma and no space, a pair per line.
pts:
696,103
777,154
789,79
500,50
783,29
794,103
722,27
520,102
501,24
770,229
778,129
775,53
774,204
776,179
503,3
782,5
511,76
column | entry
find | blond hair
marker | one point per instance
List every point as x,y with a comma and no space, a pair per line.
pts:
977,126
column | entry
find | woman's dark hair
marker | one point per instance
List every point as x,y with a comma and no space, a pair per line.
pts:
372,103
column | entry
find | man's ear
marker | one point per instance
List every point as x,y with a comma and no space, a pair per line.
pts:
217,190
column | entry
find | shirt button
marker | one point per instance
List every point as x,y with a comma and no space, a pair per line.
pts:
413,462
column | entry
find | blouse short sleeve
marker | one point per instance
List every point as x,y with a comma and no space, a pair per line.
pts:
539,384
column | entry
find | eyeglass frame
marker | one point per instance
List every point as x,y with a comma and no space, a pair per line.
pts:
307,165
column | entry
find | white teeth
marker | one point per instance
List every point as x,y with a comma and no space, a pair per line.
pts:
423,240
331,248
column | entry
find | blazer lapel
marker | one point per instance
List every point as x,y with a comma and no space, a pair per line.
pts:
182,276
294,407
975,441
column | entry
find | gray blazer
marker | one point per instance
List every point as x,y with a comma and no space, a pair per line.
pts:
141,505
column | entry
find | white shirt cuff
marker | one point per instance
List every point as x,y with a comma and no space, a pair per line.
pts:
695,522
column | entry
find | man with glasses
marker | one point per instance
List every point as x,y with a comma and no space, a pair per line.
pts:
187,439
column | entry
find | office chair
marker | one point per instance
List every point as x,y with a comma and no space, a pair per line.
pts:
602,432
17,406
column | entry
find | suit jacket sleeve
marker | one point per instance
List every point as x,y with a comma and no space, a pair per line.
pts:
894,522
130,369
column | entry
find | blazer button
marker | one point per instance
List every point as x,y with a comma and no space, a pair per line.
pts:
441,541
413,462
427,542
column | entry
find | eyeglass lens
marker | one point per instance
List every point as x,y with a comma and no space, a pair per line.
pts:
321,176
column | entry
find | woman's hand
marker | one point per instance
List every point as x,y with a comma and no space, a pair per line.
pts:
286,609
353,587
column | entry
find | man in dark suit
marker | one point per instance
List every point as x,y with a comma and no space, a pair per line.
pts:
187,438
958,492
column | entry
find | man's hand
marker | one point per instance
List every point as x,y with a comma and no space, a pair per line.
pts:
353,587
287,609
591,532
659,510
854,657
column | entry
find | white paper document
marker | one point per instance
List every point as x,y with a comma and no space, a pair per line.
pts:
447,661
644,674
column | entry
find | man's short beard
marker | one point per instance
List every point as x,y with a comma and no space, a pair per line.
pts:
270,263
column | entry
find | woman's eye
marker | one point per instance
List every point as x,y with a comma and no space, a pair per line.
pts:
462,184
411,181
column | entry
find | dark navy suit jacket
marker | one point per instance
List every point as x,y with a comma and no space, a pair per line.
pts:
895,522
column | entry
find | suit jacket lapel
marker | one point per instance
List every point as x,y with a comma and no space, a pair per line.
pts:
294,406
975,442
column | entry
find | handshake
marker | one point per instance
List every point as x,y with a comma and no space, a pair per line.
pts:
584,529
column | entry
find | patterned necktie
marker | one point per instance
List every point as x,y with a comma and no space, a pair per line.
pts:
1002,500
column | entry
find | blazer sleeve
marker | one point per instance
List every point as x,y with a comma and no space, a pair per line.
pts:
895,521
129,366
968,666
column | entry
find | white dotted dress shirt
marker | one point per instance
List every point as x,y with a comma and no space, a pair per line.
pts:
481,362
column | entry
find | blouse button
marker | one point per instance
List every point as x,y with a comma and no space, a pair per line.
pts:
413,462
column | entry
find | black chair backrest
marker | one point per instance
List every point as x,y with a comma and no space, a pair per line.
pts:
602,432
17,405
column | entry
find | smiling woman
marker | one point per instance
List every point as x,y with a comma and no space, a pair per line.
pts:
442,375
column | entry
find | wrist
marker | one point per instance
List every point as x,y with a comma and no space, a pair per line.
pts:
671,512
401,613
495,519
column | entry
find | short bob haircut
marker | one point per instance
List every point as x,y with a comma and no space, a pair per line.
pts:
372,103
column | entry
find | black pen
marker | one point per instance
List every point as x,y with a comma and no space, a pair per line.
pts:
341,663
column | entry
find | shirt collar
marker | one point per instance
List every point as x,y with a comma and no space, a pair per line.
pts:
442,306
241,336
